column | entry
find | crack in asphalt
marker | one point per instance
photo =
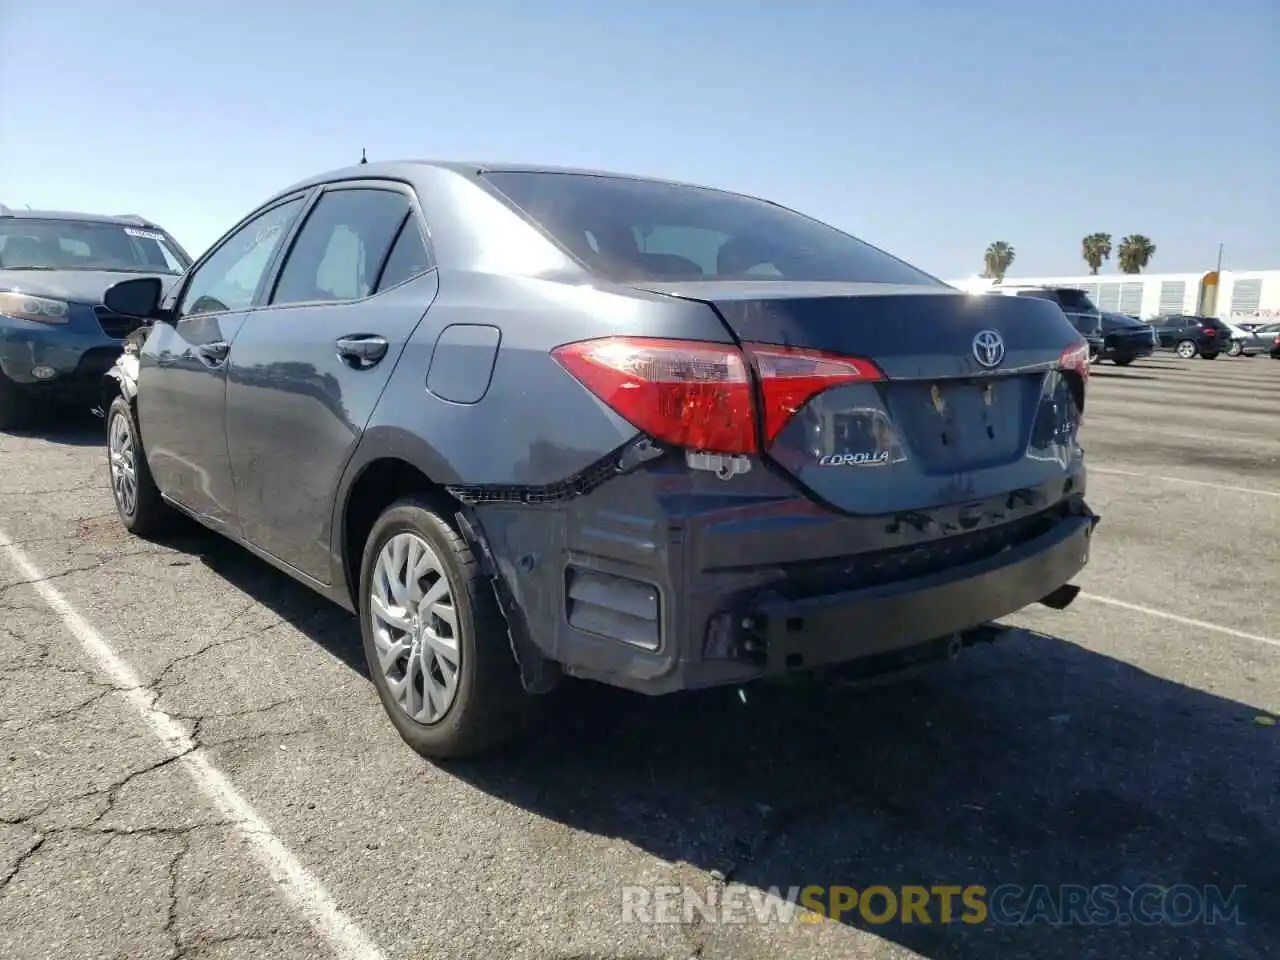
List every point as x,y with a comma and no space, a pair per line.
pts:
52,576
59,714
171,919
38,841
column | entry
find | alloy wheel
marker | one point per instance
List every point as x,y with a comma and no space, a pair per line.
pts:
124,464
415,627
1186,349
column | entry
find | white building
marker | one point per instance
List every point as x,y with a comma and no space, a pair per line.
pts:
1242,294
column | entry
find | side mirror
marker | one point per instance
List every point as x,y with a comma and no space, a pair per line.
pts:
139,297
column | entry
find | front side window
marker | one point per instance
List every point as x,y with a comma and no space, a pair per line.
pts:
644,230
28,243
341,246
230,277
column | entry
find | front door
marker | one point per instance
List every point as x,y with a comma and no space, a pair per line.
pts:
183,368
307,370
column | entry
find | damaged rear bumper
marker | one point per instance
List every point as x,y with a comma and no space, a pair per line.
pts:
654,591
780,635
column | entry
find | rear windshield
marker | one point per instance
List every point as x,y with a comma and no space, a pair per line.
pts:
34,244
646,231
1066,299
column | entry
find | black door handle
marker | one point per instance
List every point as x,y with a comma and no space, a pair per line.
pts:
361,350
214,352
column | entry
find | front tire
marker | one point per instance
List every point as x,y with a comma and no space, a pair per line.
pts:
1235,349
1187,349
138,502
435,642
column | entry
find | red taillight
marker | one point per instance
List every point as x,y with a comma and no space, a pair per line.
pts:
1209,331
1076,358
790,378
700,395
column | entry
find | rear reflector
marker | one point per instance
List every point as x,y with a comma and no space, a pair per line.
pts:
699,395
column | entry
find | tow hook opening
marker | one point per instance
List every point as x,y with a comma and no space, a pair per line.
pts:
1061,598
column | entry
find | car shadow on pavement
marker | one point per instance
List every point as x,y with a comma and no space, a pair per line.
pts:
321,621
1117,375
66,426
1033,762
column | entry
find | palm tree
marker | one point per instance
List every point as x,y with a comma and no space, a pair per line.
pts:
1095,248
997,260
1135,253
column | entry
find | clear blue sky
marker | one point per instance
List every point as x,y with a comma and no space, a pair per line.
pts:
927,128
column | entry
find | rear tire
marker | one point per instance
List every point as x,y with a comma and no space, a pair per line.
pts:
138,502
1208,356
1123,361
1187,349
486,705
17,408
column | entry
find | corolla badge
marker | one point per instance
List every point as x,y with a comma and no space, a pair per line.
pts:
867,458
988,348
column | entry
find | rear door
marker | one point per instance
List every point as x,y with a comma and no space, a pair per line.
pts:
307,370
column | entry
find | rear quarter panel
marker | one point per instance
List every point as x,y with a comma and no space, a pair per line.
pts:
534,425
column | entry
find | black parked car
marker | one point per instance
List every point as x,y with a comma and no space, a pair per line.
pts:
1189,336
531,423
1079,309
56,337
1125,338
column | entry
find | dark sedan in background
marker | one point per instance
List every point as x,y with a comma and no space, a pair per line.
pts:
1125,338
57,338
1190,336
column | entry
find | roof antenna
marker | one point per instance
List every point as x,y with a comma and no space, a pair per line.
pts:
363,158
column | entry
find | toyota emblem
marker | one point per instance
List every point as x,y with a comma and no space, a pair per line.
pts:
988,348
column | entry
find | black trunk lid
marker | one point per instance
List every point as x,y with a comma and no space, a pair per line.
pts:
943,427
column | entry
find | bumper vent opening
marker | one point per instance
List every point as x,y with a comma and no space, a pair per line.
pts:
617,608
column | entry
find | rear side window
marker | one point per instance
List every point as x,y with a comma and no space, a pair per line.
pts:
341,246
409,257
646,231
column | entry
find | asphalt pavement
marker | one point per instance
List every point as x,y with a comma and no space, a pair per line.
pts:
193,762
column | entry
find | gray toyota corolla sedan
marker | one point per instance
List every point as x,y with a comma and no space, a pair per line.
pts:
531,422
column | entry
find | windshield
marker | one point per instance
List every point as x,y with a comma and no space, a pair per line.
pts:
32,244
645,231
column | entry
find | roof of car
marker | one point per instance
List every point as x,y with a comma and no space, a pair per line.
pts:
125,220
405,169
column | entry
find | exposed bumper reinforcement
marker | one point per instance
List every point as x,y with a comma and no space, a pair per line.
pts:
786,635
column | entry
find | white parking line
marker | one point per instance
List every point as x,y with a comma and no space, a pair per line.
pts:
1194,483
1185,621
297,885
